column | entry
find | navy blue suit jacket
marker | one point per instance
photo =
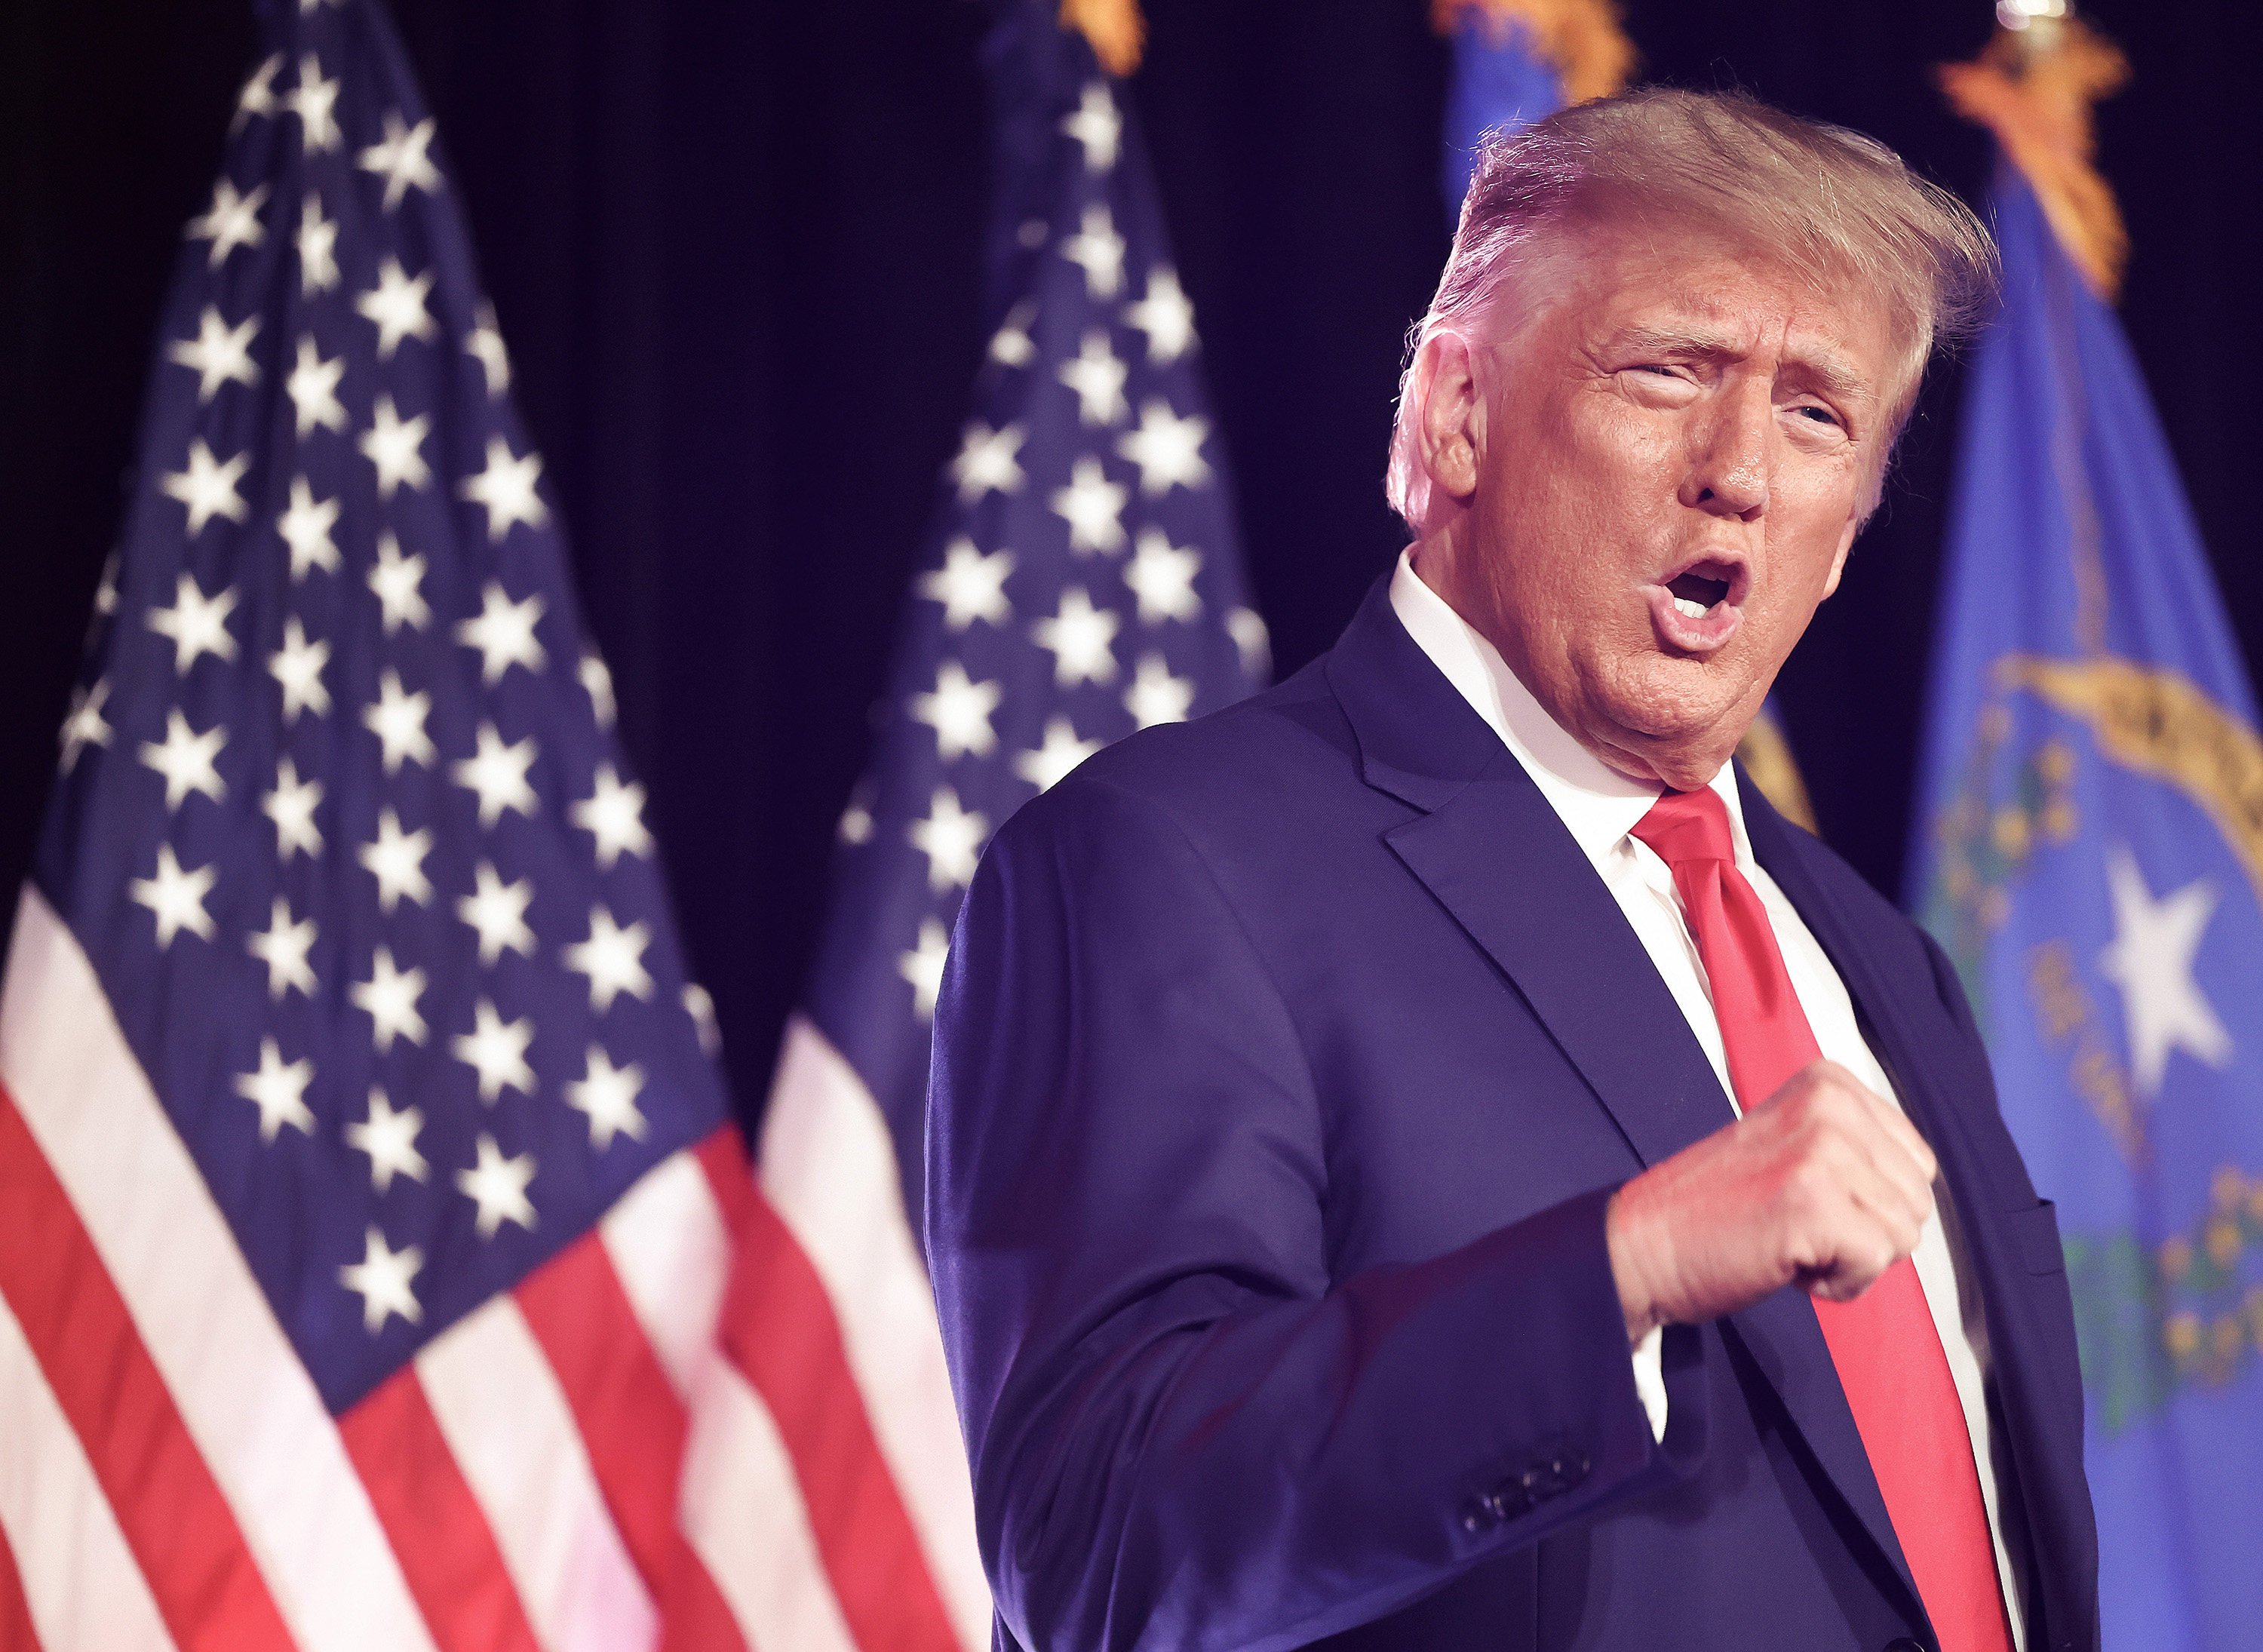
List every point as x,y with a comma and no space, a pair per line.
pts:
1284,1062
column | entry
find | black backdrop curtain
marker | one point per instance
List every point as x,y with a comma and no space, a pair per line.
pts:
736,251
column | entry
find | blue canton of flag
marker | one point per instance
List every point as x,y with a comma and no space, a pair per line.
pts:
341,824
2091,854
1085,577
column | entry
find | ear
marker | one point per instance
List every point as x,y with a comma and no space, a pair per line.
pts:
1839,559
1451,435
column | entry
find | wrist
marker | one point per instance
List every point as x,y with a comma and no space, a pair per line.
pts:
1622,1230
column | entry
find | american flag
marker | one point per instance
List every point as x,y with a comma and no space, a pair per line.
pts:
377,1269
1084,580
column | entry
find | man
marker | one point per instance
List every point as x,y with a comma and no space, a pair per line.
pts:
1428,1158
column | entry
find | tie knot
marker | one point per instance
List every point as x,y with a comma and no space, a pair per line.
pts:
1684,826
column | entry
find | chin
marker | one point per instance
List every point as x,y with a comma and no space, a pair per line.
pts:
1681,717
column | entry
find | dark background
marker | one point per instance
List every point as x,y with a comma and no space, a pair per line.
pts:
736,248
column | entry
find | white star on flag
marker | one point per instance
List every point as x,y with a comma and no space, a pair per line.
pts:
398,581
305,526
197,623
185,759
497,773
312,387
1251,641
951,839
970,586
498,1186
613,960
1095,124
278,1090
613,813
987,462
396,305
495,1049
484,343
1166,315
283,947
606,1096
176,897
1080,637
597,683
1048,763
1162,578
1098,250
394,445
1093,507
232,221
85,726
403,159
257,97
384,1278
389,1139
397,720
1155,696
298,667
1097,377
506,489
1011,345
2151,959
315,101
207,486
922,967
290,805
1167,448
396,860
220,354
388,998
497,911
958,711
504,633
316,243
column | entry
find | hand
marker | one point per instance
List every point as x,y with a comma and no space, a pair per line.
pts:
1824,1184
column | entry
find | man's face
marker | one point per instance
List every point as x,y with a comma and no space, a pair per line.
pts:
1666,466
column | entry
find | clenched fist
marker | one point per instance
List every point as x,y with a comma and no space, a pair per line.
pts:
1825,1185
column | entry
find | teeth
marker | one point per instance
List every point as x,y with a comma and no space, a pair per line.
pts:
1688,609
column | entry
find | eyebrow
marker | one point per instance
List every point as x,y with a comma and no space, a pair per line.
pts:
1830,370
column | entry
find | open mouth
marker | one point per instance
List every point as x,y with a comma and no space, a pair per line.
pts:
1698,608
1700,588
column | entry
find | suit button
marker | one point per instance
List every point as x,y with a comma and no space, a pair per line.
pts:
1479,1514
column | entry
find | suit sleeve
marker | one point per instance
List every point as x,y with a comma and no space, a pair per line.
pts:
1184,1431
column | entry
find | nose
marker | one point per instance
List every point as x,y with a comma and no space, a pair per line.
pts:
1728,473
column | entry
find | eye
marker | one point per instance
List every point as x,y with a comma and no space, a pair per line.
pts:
1816,413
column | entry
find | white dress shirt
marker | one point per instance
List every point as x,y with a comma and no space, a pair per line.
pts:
1600,806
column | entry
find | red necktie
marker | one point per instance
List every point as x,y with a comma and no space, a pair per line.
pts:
1883,1343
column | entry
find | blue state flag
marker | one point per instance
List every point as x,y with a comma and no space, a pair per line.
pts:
2090,852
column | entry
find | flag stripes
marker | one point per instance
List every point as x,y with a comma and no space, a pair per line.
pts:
15,1614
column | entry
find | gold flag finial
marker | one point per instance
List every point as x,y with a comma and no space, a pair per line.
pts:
2034,87
1581,39
1114,28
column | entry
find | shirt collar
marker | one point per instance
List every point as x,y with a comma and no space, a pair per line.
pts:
1597,804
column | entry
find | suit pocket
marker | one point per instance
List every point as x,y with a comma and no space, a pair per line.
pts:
2038,1228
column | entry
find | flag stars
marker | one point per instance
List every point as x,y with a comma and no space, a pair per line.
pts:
86,726
1093,507
397,720
506,489
497,773
987,461
922,967
1167,448
1165,315
613,815
186,758
497,1185
315,101
197,623
958,711
388,998
305,527
497,911
1011,345
395,447
396,305
298,667
1098,250
1080,638
278,1090
1096,125
257,97
1097,377
385,1279
2150,959
403,159
597,683
504,633
207,487
290,805
231,221
283,947
316,243
1048,764
389,1139
312,387
1162,577
1157,697
219,354
606,1096
951,839
495,1049
613,960
176,897
484,344
970,586
396,860
398,581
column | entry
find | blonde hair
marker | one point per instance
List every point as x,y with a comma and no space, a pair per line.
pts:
1833,204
